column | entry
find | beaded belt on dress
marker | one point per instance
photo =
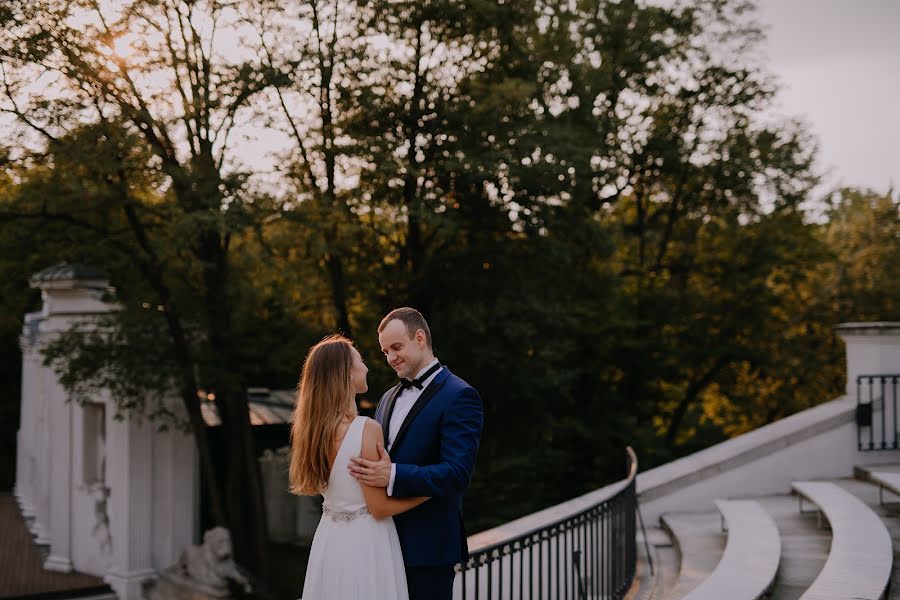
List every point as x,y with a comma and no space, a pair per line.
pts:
344,516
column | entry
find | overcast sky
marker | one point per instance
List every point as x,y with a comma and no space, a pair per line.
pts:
839,66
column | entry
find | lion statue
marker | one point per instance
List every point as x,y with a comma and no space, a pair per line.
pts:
201,572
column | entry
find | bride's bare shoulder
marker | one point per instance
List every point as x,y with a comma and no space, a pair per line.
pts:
372,425
372,434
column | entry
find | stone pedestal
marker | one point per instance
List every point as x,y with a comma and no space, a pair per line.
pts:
291,518
309,512
281,505
872,349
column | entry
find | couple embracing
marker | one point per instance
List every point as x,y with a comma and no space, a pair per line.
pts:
391,525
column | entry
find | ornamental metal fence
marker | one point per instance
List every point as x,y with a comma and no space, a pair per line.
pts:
876,412
589,555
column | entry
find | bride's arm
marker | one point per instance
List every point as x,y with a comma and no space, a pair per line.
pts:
381,505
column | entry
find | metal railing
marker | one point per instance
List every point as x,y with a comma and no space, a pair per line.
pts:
876,412
591,554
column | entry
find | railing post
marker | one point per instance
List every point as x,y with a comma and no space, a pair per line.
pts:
859,425
894,407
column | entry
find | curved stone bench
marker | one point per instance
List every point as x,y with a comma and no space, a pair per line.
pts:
750,562
859,562
886,481
699,543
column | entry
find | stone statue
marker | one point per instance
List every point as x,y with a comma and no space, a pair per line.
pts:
201,572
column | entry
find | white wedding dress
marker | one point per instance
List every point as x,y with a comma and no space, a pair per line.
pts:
353,556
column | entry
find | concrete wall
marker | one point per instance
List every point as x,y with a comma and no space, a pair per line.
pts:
819,443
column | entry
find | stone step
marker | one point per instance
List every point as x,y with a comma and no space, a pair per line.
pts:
804,546
864,472
651,585
752,553
688,546
699,542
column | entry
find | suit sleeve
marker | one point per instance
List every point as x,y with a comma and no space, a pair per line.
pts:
460,435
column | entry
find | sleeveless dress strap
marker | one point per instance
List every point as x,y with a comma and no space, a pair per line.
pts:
352,442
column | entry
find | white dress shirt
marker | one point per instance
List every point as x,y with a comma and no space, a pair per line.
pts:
402,405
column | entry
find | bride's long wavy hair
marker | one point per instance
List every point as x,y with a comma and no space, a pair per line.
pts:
325,397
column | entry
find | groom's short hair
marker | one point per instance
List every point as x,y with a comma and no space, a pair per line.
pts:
413,320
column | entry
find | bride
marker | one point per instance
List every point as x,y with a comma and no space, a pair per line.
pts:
355,553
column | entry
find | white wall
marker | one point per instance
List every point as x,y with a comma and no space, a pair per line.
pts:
872,349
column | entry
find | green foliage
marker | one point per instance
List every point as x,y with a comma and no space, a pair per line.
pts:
863,231
608,239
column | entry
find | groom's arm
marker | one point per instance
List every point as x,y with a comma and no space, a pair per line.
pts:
381,505
460,435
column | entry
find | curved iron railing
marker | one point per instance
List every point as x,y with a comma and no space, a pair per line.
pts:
591,554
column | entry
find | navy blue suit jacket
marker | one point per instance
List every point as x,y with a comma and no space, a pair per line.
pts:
434,453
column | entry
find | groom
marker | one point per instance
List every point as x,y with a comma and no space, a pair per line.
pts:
432,423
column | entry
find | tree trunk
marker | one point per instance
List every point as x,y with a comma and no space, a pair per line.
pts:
690,395
338,293
243,484
246,517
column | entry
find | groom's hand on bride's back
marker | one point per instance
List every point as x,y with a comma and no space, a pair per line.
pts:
371,472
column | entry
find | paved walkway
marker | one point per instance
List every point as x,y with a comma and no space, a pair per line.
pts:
21,565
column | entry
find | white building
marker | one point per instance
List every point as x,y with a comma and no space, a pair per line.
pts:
112,498
116,498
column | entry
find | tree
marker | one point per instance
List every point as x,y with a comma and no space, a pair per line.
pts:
165,94
649,122
608,239
863,228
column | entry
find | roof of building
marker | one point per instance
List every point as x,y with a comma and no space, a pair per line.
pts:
66,271
267,407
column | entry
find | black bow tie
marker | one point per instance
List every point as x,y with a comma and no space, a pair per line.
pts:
405,384
417,383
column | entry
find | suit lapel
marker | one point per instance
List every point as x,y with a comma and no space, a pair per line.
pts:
385,421
427,394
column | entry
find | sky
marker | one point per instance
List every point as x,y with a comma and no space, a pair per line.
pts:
838,62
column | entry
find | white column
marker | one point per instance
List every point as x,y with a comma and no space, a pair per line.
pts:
43,465
130,473
175,494
872,349
26,437
91,537
61,481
